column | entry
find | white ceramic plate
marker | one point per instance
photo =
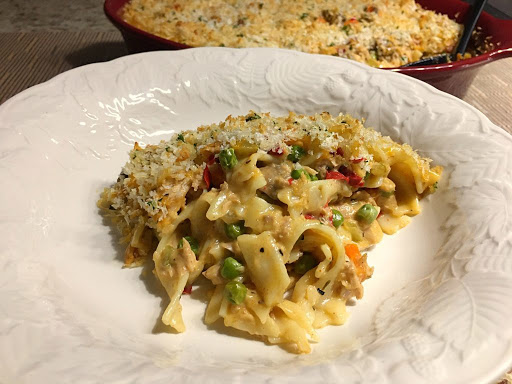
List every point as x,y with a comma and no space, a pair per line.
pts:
438,309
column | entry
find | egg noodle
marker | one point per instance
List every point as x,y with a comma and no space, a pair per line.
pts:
273,211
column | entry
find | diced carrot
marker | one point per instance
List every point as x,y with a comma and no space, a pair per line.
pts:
352,20
352,251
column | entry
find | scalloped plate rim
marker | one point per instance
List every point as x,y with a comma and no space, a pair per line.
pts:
40,89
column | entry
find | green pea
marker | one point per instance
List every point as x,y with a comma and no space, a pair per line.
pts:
253,117
337,218
228,158
234,230
367,213
168,256
235,292
306,262
194,245
387,193
296,153
295,174
231,268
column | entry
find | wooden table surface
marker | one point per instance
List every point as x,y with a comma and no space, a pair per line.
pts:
27,59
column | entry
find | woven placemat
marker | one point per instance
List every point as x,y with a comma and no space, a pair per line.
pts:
27,59
491,92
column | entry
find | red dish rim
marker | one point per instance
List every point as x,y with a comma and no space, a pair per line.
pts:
112,13
113,7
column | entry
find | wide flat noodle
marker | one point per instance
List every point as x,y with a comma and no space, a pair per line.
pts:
273,212
265,266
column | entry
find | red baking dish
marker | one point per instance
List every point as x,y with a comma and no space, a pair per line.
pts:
453,78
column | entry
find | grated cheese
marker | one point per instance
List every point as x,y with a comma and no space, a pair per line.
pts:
153,185
381,33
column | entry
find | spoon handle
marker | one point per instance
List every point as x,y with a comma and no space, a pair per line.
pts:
469,25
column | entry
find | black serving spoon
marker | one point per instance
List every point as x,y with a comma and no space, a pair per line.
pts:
469,25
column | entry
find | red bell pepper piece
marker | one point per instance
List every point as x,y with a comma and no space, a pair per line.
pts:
207,177
335,175
276,151
187,290
211,159
355,181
